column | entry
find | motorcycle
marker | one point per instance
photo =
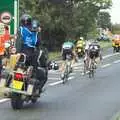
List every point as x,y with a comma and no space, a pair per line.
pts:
116,45
23,87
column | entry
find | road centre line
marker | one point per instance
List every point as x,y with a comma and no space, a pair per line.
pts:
109,55
55,83
4,100
53,78
106,65
117,61
73,73
59,82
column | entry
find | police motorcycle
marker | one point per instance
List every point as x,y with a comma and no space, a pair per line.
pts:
23,83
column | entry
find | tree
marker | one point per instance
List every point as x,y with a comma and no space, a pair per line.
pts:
104,20
64,18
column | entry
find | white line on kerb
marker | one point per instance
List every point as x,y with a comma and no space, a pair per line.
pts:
117,61
104,66
4,100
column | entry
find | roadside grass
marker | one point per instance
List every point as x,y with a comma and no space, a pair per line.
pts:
116,117
2,92
54,55
105,44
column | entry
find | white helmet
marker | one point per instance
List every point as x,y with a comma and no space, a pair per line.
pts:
81,38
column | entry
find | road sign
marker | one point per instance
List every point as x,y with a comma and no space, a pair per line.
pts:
5,17
9,14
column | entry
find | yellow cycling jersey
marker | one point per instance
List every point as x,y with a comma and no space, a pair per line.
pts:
80,43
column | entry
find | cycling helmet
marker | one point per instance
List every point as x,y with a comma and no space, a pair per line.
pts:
81,38
26,20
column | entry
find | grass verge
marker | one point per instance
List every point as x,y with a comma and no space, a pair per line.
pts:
105,45
116,117
54,55
2,92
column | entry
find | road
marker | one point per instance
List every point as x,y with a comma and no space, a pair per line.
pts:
79,99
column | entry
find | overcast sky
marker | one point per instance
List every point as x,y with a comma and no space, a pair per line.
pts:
115,11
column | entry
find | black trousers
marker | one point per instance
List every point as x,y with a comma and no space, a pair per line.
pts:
30,53
40,71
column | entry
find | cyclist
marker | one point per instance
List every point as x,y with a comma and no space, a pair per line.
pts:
68,48
93,50
80,44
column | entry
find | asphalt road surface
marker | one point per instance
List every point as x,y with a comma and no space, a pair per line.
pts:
80,98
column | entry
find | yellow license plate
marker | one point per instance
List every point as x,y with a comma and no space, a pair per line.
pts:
17,85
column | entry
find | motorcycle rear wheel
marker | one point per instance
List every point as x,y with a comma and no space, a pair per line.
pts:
16,101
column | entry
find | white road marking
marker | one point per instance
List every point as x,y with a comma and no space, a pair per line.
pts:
81,67
106,65
117,61
72,73
55,83
59,82
78,70
107,56
53,78
4,100
54,72
70,78
78,64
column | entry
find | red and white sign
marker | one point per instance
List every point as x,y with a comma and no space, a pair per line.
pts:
5,17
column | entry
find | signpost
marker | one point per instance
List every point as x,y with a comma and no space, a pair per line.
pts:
9,15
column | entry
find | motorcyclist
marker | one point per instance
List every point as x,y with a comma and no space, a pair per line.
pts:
28,43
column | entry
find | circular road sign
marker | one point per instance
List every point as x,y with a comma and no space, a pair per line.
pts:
5,17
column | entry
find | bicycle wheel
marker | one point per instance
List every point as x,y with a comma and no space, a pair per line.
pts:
91,70
85,68
65,74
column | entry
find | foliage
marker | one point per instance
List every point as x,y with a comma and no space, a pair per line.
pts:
116,28
61,19
104,20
